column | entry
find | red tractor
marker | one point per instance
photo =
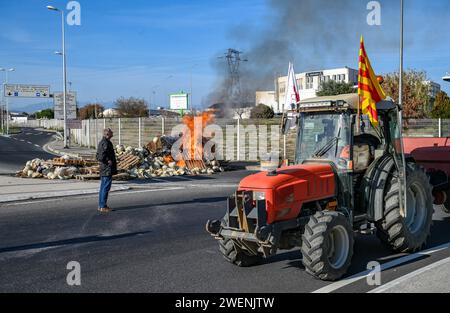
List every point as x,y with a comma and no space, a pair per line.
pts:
346,179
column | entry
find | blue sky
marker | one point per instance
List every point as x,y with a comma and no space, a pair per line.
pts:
132,48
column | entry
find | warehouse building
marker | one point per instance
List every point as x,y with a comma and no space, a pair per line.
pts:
308,84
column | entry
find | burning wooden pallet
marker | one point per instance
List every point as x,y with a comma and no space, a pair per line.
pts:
128,161
191,164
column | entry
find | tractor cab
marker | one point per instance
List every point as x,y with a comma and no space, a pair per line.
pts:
327,132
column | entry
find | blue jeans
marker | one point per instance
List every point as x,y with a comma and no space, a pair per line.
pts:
105,187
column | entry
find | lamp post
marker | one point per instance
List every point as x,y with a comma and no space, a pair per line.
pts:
63,53
400,117
6,98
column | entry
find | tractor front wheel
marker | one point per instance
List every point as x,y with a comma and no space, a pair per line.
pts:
327,245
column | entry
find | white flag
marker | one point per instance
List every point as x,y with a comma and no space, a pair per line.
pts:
292,93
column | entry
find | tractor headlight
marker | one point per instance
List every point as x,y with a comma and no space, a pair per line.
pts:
258,195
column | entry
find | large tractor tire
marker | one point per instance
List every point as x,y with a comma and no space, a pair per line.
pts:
446,206
327,245
407,233
237,256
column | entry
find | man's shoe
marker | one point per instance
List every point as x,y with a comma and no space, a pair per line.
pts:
104,210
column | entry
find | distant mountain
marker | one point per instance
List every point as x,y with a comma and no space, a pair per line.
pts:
31,108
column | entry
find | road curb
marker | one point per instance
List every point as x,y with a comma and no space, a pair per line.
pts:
47,147
56,194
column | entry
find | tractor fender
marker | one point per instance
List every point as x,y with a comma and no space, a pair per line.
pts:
374,184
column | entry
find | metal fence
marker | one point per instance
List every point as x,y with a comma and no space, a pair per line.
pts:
237,135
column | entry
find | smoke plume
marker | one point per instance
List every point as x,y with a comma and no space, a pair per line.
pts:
316,34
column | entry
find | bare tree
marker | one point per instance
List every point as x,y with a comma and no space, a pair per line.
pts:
132,107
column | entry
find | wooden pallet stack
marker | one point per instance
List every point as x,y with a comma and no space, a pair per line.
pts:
127,162
191,164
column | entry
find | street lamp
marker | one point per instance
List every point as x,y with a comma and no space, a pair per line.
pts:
400,114
63,54
446,77
6,98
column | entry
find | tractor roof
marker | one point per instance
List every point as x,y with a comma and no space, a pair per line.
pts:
347,101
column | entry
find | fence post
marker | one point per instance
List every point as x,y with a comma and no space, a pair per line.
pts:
120,131
88,130
238,140
140,132
284,147
104,123
440,128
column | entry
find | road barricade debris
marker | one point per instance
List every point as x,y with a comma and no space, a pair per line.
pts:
153,160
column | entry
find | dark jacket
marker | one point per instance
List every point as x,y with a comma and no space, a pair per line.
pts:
106,153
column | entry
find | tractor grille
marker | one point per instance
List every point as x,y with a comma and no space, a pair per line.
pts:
245,213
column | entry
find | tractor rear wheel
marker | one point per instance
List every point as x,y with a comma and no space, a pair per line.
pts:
233,254
327,245
407,232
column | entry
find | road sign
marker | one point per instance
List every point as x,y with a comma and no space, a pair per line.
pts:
74,124
26,91
179,101
71,105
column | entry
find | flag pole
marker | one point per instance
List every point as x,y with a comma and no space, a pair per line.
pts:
358,115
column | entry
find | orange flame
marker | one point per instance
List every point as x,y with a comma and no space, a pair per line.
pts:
192,121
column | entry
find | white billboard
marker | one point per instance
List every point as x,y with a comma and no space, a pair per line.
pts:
71,105
179,101
26,91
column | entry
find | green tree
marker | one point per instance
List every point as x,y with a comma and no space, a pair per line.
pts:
45,114
333,88
441,107
416,93
262,111
91,110
132,107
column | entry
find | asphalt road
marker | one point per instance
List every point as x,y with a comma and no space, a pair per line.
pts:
17,149
155,241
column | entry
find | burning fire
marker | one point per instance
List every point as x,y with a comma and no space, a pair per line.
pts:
195,124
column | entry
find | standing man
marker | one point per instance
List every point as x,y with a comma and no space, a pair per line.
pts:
108,167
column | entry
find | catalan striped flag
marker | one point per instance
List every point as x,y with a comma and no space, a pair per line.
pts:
369,89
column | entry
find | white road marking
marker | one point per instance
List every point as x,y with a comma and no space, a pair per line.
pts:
113,193
342,283
29,202
24,140
37,146
144,191
402,279
29,142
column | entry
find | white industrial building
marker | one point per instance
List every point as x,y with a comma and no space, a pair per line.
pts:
308,84
435,88
18,117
